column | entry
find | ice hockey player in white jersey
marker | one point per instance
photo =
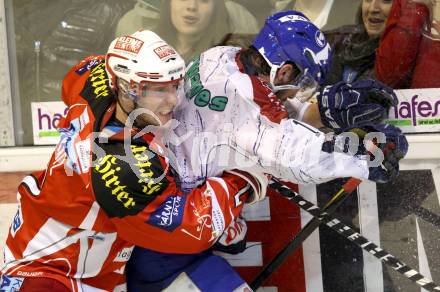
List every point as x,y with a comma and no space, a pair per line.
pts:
232,115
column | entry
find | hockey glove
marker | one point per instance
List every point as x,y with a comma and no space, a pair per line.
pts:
343,105
257,181
233,239
385,146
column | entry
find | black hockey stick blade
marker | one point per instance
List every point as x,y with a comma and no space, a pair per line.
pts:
350,234
310,227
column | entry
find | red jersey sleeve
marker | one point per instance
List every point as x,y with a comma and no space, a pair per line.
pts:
186,223
395,58
142,199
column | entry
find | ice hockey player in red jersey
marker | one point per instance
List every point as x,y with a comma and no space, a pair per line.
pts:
108,187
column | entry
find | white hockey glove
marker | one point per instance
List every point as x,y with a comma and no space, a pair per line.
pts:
257,180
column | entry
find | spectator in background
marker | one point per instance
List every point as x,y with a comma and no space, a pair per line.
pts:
193,26
144,15
51,40
259,8
354,46
325,14
409,53
85,29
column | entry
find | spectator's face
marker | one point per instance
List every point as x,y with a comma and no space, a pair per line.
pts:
191,17
374,15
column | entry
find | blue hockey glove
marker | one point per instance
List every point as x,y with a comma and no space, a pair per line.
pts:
343,105
385,144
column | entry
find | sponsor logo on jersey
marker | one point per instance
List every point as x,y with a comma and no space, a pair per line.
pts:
124,255
99,82
169,214
143,168
108,169
83,152
128,44
17,222
87,66
212,220
164,51
202,96
126,182
10,283
30,274
204,222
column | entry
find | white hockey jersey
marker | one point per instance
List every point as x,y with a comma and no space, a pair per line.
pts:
229,119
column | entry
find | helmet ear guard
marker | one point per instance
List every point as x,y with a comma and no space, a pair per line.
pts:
289,36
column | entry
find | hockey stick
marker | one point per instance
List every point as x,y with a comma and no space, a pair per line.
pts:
349,233
426,215
310,227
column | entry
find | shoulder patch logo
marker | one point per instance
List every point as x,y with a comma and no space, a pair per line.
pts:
169,214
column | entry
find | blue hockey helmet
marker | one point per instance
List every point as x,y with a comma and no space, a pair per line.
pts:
289,36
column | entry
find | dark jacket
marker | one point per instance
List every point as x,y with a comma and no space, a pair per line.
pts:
353,54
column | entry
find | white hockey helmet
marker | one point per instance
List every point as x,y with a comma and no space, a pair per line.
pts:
143,58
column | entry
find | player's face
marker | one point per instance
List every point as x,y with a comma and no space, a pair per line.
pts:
191,17
151,104
374,15
160,100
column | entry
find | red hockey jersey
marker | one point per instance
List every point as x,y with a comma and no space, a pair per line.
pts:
79,219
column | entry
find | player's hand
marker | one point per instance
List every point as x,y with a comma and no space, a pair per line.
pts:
385,146
257,181
343,105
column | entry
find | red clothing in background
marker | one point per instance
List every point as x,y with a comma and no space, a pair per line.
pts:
407,57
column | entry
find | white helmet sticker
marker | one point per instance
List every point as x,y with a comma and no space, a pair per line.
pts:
292,18
320,38
128,44
164,51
